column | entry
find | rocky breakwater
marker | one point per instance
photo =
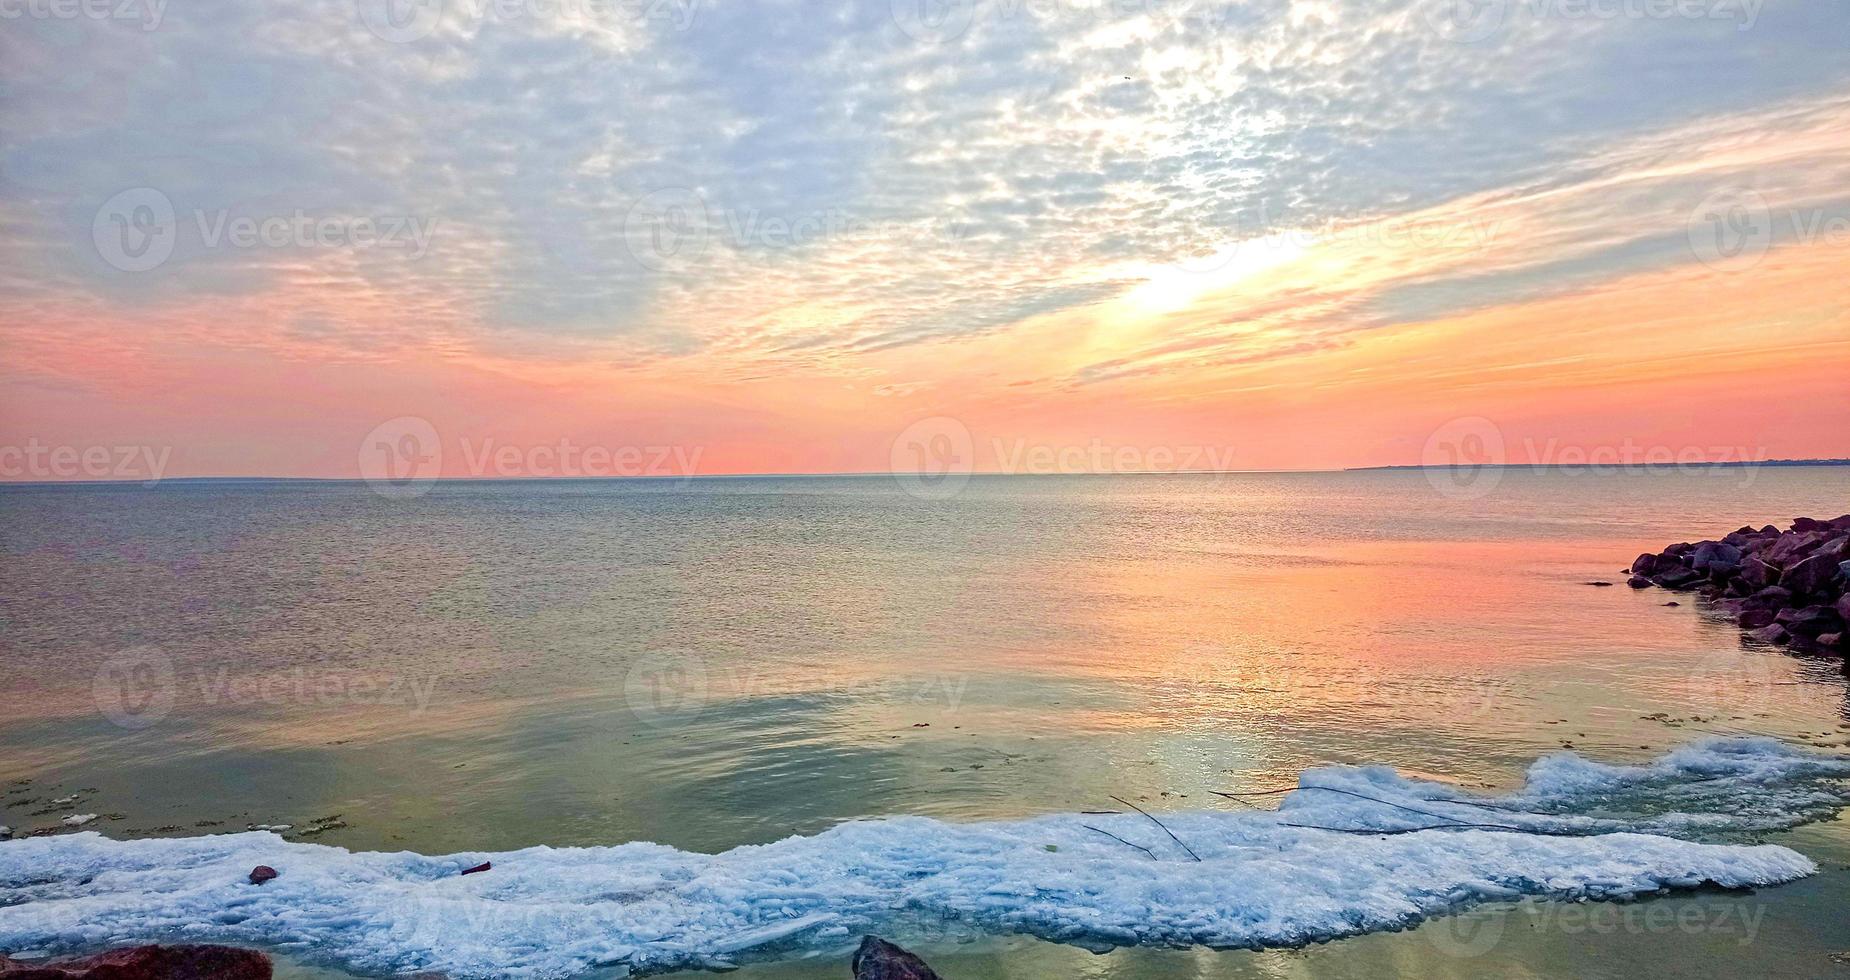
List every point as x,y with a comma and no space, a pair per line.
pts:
1781,586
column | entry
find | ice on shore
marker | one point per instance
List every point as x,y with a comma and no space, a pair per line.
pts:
1266,877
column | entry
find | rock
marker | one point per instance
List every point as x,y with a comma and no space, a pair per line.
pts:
148,963
1644,565
878,959
1712,553
1842,523
1677,578
262,873
1809,524
1810,621
1603,585
1638,582
1792,547
1772,597
478,869
1831,640
1673,604
1771,634
1843,607
1754,619
1758,574
6,833
1811,575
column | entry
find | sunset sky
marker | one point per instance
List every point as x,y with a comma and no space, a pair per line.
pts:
795,236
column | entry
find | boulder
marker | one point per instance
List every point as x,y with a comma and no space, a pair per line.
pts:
1809,524
1644,565
1772,597
1831,640
262,873
1712,553
1811,575
1771,634
1677,578
878,959
1638,582
1792,547
1758,573
1753,619
1842,523
1843,607
148,963
1810,621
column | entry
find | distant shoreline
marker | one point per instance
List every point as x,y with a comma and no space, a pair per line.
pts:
682,478
1728,464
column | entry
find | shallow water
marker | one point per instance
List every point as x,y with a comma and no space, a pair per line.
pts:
715,662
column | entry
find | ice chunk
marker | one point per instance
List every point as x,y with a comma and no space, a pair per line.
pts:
1278,877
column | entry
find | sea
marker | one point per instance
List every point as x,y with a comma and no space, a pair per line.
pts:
735,722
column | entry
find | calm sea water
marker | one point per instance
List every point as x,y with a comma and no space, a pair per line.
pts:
713,662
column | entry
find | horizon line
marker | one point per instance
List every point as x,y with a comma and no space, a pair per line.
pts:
857,474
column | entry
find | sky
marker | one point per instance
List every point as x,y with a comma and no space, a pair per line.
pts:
461,238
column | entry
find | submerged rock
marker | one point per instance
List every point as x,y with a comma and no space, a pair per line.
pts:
148,963
262,873
878,959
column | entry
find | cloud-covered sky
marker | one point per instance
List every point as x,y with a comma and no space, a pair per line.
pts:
1307,233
